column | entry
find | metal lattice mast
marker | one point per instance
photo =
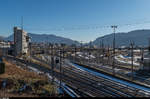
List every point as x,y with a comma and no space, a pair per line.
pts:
113,65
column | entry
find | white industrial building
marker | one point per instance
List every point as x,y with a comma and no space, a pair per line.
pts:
21,40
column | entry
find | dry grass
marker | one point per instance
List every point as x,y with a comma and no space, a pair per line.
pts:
12,71
15,73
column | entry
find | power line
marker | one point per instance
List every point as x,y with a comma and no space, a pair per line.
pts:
86,27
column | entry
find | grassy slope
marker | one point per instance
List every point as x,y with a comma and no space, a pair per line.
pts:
15,73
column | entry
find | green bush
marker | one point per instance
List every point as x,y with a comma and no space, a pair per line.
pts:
2,68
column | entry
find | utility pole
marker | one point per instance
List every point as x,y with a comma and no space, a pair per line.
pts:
30,49
132,44
99,52
90,48
108,54
149,46
3,50
102,52
75,51
29,61
149,51
81,50
60,67
113,65
52,63
63,51
142,56
81,45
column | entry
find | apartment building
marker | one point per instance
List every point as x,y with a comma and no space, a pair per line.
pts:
21,40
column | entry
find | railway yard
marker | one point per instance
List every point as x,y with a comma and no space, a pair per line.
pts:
89,84
74,48
82,75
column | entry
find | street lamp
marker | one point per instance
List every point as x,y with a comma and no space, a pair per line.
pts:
114,30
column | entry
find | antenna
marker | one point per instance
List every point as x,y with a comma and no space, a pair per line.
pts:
22,22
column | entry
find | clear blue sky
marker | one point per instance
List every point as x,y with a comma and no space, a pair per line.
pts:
75,19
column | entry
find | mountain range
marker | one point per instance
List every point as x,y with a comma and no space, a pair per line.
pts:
47,38
1,38
139,37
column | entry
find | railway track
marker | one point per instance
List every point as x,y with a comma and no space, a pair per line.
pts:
128,84
105,86
117,64
82,82
84,87
80,85
126,91
57,75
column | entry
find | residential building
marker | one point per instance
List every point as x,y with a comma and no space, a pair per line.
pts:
21,40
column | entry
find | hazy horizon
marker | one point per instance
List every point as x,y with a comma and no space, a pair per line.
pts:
80,40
